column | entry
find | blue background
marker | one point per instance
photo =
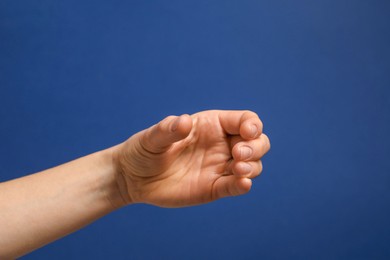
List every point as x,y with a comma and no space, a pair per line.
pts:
80,76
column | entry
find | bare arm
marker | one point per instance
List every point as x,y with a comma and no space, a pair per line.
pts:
42,207
181,161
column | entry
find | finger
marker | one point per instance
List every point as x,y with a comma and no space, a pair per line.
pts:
160,137
251,150
247,169
226,186
244,123
235,139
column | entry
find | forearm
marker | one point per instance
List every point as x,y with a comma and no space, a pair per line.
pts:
42,207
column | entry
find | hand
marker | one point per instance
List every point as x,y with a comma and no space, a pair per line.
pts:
189,160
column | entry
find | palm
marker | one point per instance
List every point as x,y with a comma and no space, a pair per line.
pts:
196,162
188,172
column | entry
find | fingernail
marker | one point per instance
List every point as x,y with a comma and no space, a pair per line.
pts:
253,130
245,152
175,124
246,167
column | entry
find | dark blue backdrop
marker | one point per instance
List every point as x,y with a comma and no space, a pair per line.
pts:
80,76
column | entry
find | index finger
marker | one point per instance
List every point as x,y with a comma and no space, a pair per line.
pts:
245,123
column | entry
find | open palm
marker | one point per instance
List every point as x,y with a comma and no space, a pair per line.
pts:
189,160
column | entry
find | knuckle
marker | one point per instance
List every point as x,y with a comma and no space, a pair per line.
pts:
164,124
261,125
169,118
250,113
266,141
260,167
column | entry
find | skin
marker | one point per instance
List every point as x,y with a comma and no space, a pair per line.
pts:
181,161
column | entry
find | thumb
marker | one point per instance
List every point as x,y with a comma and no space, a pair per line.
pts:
230,185
158,138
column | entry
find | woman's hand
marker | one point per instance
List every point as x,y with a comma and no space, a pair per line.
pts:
178,162
189,160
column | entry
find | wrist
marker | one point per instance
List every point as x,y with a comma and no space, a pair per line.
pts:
116,190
